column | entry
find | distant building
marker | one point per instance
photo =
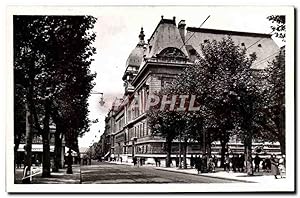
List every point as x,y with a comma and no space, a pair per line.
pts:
151,66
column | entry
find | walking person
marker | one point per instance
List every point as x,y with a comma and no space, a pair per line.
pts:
134,161
192,161
241,163
268,164
215,160
156,161
274,166
281,166
198,164
234,162
211,165
256,163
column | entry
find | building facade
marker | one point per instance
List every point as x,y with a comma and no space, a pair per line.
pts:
151,66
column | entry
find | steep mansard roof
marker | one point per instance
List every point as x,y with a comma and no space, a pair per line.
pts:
166,35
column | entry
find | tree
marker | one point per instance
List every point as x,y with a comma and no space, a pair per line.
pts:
278,26
54,54
274,100
165,124
225,88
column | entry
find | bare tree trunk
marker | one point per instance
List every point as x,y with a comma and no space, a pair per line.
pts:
282,143
223,151
168,150
248,155
57,150
46,143
28,145
184,153
180,150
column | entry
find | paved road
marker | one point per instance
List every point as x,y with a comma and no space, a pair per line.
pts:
114,174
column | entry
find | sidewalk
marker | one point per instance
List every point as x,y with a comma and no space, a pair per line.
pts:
235,176
60,177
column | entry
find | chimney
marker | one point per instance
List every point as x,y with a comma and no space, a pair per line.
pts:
181,27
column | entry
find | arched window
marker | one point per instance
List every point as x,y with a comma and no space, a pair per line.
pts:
171,52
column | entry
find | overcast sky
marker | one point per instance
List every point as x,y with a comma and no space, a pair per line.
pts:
117,31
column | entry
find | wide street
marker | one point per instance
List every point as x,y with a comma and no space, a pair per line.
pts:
108,173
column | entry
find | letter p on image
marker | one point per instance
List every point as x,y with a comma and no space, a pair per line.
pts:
152,100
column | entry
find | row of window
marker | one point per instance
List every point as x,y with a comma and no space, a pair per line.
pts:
140,130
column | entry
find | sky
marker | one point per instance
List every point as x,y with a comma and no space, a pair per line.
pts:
117,30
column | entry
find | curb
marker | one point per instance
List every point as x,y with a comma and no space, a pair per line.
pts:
209,176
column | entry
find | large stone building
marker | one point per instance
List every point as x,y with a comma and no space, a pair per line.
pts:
152,65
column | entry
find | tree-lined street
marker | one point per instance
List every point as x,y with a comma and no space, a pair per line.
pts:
234,110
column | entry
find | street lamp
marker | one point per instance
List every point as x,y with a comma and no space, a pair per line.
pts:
101,102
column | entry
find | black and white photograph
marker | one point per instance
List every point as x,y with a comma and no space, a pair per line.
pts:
150,99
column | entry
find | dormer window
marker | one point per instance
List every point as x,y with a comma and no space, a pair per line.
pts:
192,51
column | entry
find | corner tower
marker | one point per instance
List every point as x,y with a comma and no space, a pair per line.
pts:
133,63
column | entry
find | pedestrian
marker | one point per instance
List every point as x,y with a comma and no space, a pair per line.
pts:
204,163
198,164
281,166
19,163
192,161
134,161
268,164
274,166
215,160
241,163
138,161
211,165
121,159
256,163
177,161
156,161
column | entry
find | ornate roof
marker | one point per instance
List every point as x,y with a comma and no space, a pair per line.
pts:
165,35
136,56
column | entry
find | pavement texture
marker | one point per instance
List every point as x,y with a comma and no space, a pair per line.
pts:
112,173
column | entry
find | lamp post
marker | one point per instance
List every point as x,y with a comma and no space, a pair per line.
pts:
101,102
